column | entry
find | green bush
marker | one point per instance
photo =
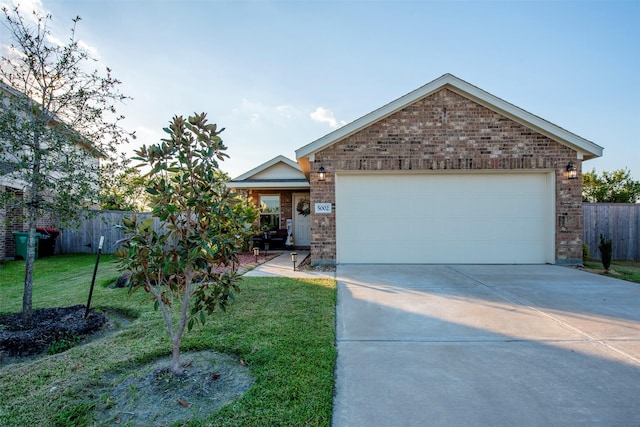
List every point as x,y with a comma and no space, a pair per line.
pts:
606,250
586,254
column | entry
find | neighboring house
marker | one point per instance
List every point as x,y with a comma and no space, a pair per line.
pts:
12,219
445,174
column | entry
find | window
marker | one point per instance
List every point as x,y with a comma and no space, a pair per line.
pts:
270,212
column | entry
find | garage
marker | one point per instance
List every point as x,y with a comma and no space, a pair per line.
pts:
447,173
458,218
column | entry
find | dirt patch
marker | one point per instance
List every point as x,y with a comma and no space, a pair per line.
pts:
152,395
601,271
305,265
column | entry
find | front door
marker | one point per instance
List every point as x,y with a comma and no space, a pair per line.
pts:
302,219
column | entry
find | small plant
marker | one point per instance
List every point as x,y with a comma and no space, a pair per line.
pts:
74,415
107,401
586,254
133,391
606,250
63,345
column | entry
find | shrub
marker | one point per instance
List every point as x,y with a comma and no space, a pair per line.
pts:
586,254
606,249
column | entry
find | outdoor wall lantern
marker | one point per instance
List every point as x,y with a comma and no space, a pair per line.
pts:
572,170
321,174
294,258
256,252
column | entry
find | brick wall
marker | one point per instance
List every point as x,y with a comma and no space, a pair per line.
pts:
13,219
446,131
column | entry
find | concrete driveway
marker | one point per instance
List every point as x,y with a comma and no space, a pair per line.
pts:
471,345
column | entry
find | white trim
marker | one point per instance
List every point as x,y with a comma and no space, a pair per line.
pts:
261,214
551,217
276,185
583,146
267,165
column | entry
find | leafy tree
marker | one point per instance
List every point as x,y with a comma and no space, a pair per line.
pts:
123,188
610,187
200,229
56,118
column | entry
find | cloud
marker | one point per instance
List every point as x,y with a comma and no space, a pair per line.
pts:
285,110
258,112
10,52
323,115
54,40
92,50
26,8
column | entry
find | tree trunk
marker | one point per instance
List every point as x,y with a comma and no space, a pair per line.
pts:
27,296
32,219
182,323
176,366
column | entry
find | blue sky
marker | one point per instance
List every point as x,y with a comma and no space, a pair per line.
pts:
280,74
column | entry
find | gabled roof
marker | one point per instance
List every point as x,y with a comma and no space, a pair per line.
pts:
278,173
586,149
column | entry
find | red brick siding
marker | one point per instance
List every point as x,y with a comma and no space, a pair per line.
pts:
14,220
446,131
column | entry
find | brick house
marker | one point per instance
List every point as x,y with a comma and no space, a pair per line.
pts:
13,218
445,174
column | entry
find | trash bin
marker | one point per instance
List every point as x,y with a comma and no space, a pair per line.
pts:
22,242
47,241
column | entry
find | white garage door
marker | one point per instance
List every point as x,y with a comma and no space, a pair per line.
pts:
445,218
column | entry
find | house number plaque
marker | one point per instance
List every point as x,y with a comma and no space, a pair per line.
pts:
323,208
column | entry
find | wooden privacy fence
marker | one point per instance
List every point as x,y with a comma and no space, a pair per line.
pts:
619,222
86,238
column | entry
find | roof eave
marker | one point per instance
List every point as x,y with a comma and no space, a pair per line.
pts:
266,165
268,185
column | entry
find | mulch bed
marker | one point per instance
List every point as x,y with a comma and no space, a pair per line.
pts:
49,325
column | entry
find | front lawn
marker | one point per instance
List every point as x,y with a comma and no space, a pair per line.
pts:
283,329
625,270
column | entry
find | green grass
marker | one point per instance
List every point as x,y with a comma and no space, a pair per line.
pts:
62,280
283,328
625,270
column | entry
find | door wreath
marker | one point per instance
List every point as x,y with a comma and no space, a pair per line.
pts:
304,207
